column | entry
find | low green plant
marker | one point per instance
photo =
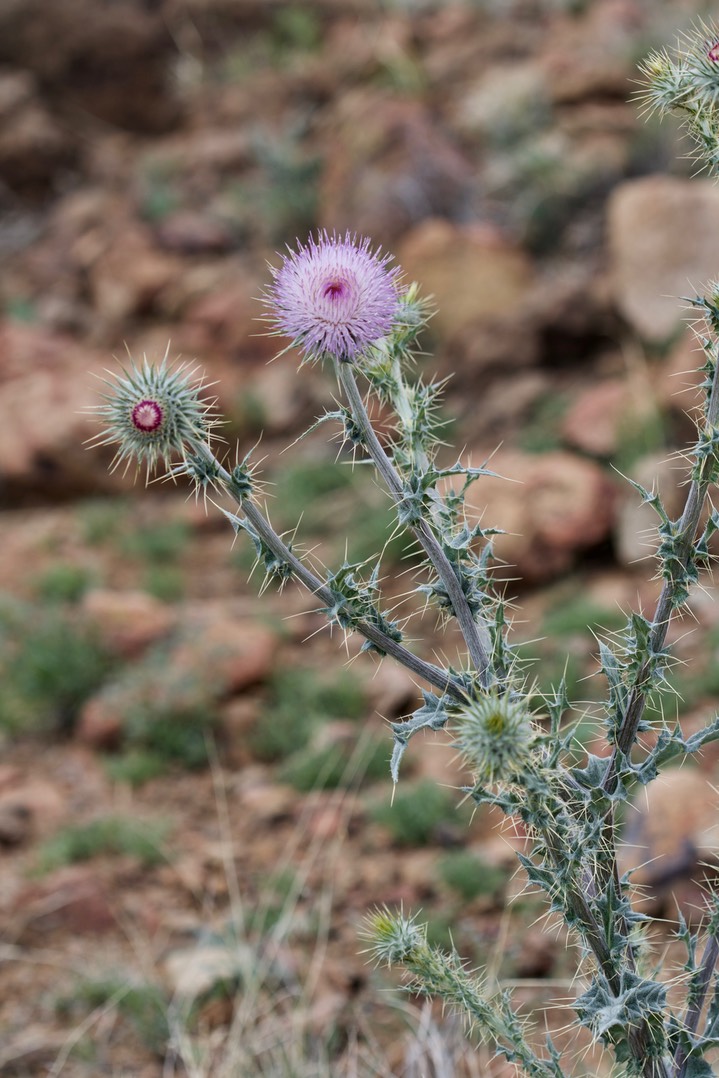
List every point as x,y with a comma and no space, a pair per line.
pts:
159,190
540,433
334,766
165,582
21,309
64,583
469,876
638,439
317,490
157,543
135,767
163,712
277,894
299,699
574,613
416,812
102,519
289,33
173,734
105,835
280,196
50,665
144,1006
296,28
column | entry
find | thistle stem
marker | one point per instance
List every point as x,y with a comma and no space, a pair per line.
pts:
629,727
687,527
475,633
443,975
434,675
701,981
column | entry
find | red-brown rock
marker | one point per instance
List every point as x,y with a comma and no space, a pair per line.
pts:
600,415
45,382
129,275
554,506
127,622
671,829
663,239
28,810
225,653
72,899
475,276
100,721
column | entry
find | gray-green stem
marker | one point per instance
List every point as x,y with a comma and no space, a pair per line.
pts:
629,727
688,524
476,634
694,1010
433,675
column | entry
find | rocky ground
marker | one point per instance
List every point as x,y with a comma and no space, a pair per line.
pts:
195,810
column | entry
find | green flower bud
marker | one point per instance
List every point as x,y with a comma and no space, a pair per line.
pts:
393,938
496,738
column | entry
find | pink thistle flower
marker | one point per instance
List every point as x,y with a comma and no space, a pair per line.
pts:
334,296
713,52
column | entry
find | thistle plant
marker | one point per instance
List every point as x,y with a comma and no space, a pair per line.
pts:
345,306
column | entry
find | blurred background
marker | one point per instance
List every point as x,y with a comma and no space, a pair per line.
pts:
195,805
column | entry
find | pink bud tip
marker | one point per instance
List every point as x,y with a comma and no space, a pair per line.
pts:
713,53
147,416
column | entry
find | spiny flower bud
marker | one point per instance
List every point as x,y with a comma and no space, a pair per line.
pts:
496,738
392,937
334,296
153,413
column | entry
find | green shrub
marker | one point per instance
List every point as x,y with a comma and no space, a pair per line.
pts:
158,543
469,875
107,835
317,491
48,667
142,1005
102,519
165,582
540,431
165,713
64,583
334,766
300,699
135,767
576,613
416,812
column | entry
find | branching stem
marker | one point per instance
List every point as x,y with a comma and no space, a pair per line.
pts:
434,675
475,632
687,528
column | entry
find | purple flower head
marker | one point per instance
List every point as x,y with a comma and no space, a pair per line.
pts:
334,296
